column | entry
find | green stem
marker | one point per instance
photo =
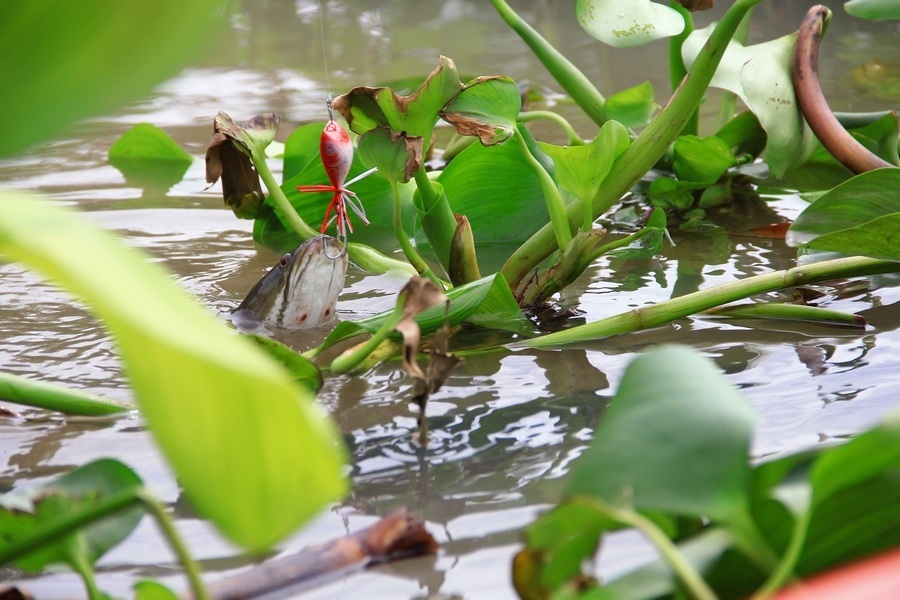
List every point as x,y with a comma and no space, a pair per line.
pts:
578,86
696,587
555,205
644,152
426,190
364,257
750,541
167,528
785,570
349,360
729,99
412,255
572,136
677,70
41,394
293,219
683,306
86,571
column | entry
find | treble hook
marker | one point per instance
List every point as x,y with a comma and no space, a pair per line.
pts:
342,240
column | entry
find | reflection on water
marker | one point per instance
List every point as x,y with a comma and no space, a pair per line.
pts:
506,427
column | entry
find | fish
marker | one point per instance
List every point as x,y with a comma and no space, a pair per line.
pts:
336,151
300,291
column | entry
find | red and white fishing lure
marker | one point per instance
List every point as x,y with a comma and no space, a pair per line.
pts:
336,151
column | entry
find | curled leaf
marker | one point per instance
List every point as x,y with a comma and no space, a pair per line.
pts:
487,108
627,23
228,157
396,155
416,114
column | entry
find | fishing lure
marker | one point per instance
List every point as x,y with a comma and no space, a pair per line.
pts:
336,151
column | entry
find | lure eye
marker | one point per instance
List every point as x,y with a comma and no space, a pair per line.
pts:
284,261
328,148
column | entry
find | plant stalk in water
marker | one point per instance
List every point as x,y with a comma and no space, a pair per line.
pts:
683,306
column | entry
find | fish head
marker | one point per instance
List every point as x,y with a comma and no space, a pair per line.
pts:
301,290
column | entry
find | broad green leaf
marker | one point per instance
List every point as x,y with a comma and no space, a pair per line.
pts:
855,202
500,195
301,148
675,438
667,193
147,155
744,134
878,238
70,60
486,107
702,160
870,454
305,373
416,114
627,23
145,141
40,394
582,169
25,512
873,9
487,302
761,76
396,156
251,450
633,107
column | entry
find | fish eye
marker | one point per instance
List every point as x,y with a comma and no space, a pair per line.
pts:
284,260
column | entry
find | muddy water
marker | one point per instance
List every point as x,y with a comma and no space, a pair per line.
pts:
507,426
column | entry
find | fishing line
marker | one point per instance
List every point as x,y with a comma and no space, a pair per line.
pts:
325,59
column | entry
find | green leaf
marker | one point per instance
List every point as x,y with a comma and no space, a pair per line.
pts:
873,9
675,438
566,537
855,202
761,76
301,148
487,302
40,394
148,156
147,589
218,407
667,193
94,43
582,169
500,195
627,23
305,373
878,238
702,160
486,107
23,513
633,107
397,156
416,114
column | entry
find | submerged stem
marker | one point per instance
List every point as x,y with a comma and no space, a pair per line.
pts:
683,306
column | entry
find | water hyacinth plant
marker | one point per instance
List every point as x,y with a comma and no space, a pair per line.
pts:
495,232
